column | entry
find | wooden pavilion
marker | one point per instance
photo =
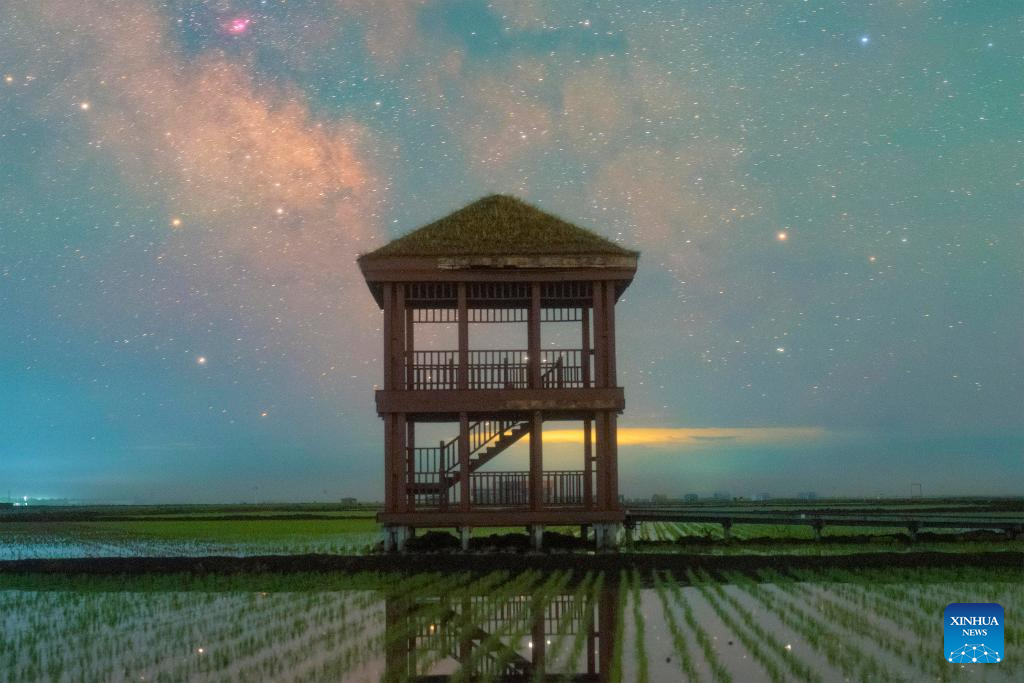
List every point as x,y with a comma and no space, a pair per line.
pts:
498,263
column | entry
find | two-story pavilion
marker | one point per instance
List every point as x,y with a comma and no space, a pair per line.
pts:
540,293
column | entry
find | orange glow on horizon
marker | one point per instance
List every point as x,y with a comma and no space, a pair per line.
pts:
696,436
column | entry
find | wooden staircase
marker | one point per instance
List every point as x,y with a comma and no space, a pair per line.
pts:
487,439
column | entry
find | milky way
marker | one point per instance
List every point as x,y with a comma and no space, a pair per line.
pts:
827,198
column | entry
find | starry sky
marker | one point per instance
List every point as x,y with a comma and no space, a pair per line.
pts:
828,198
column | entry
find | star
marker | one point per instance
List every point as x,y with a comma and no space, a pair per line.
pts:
8,79
864,40
84,106
782,235
175,222
201,360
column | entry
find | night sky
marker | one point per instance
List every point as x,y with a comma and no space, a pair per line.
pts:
828,198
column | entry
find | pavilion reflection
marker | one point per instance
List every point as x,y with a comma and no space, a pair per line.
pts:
521,637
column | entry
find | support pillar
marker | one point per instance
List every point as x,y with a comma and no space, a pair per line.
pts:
396,537
464,462
463,380
818,527
410,348
588,466
606,536
465,533
912,531
533,337
609,331
410,462
536,533
727,530
536,461
612,455
600,337
600,463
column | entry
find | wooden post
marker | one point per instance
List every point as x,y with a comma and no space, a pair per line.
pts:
389,447
585,345
410,349
442,477
398,464
463,338
464,462
410,461
588,466
609,324
599,460
533,337
536,461
600,337
387,291
398,338
612,466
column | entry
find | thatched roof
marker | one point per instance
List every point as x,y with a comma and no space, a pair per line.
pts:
499,225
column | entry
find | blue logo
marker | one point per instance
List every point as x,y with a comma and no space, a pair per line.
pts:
973,633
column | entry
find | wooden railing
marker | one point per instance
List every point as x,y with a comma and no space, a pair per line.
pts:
563,487
496,369
512,489
505,489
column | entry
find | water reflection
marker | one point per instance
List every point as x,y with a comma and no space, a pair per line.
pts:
552,632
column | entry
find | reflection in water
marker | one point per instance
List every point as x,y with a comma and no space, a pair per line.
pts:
521,630
830,625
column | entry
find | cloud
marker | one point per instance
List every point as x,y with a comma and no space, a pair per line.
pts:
701,437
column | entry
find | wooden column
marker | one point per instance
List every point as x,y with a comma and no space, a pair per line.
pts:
410,349
536,461
387,291
600,460
609,325
410,461
389,447
398,463
463,338
533,336
588,466
398,338
600,337
463,461
585,344
612,468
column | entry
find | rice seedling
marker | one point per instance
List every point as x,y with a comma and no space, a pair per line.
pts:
718,670
820,634
679,641
642,674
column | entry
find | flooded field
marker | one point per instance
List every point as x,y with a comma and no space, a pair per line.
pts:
824,625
